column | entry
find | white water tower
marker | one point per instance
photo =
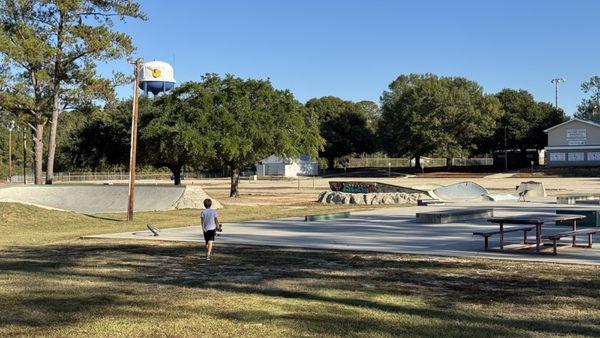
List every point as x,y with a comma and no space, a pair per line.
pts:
157,77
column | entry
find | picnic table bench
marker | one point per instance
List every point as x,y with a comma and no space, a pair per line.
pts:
557,236
535,221
487,234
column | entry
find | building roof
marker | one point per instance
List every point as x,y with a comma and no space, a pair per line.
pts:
573,120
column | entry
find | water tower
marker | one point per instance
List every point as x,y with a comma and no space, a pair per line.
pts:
157,76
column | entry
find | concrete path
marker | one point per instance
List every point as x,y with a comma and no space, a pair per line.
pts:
385,230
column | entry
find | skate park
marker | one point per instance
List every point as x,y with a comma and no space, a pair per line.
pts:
396,229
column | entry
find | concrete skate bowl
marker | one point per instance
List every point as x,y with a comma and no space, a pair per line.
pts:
357,187
92,199
460,191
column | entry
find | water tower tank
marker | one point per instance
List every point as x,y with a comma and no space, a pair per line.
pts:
156,77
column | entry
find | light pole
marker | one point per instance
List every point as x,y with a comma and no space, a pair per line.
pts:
134,126
505,150
10,126
556,82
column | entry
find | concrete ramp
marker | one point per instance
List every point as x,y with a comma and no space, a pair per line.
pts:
91,199
531,189
460,191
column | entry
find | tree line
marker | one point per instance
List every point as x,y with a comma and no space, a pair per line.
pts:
50,50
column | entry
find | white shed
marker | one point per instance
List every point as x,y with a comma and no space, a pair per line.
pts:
276,166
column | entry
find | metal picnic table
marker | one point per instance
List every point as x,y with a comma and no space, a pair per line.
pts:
537,221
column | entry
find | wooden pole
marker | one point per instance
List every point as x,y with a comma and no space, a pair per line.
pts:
132,155
24,157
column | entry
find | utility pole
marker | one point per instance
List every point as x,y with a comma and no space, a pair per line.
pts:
11,126
134,126
556,82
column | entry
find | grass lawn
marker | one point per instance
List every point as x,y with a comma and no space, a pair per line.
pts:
54,284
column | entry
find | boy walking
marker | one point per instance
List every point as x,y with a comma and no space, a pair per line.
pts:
209,220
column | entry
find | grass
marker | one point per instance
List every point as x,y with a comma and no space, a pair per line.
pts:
55,284
30,225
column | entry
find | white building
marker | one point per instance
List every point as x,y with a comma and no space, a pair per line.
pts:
573,143
276,166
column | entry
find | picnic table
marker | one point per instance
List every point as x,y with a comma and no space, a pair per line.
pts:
537,222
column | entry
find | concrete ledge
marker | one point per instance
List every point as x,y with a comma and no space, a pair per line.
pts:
426,202
588,202
453,215
572,199
326,217
592,217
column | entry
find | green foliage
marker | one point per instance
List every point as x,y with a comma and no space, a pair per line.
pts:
525,121
347,127
174,130
217,122
437,116
49,49
250,120
589,108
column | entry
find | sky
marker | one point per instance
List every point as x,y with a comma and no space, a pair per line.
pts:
354,49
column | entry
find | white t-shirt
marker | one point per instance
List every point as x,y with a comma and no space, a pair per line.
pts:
207,216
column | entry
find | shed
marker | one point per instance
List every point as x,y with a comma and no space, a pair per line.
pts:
276,166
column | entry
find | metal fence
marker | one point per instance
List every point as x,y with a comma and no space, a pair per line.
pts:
384,162
111,176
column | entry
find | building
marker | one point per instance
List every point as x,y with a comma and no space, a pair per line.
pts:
573,143
276,166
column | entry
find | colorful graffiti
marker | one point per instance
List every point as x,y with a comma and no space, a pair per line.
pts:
355,187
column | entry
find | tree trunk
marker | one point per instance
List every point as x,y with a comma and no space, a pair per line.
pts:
331,163
235,181
418,162
448,163
52,141
177,175
38,141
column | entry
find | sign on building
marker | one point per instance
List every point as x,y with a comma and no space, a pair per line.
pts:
557,157
593,156
574,157
576,136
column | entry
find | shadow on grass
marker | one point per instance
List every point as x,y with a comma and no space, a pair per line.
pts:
343,289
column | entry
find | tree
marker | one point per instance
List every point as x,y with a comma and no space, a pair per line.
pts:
175,132
251,120
525,121
347,127
103,138
439,116
589,108
371,111
68,38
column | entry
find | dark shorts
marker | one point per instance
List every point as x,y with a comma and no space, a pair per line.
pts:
209,235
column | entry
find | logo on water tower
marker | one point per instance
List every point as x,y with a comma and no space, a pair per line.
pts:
157,77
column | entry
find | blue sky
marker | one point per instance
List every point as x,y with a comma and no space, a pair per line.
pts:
354,49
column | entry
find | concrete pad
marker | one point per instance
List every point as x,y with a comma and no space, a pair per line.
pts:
383,230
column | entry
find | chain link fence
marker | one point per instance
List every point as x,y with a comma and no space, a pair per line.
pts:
384,162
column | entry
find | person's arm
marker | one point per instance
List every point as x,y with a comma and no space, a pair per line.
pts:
202,220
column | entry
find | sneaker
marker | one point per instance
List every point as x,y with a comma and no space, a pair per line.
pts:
208,257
